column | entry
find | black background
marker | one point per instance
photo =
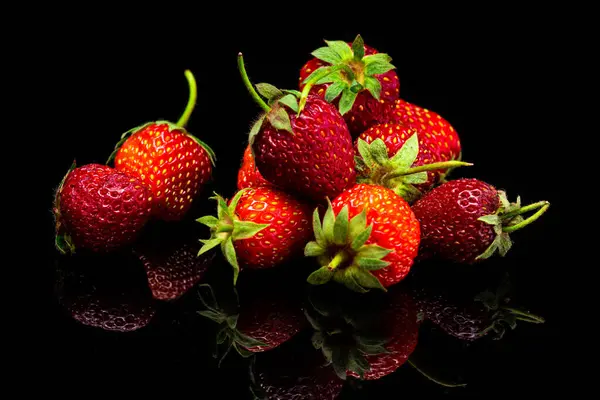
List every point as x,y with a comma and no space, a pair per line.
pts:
494,79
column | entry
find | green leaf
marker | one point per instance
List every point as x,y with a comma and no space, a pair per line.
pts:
373,86
355,86
291,91
209,220
416,178
378,67
357,224
313,249
209,244
379,57
320,276
504,199
366,279
234,201
327,54
268,91
358,48
334,76
361,238
247,341
328,223
242,351
318,229
212,315
291,101
347,279
491,219
232,321
317,340
229,251
373,251
222,208
347,101
256,128
365,153
373,349
490,250
334,91
221,336
340,228
246,229
370,264
317,74
406,156
280,119
379,152
339,358
64,244
504,244
341,48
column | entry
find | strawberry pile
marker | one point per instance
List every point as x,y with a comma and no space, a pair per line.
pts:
342,184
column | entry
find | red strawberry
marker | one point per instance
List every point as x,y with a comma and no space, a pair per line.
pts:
398,157
173,269
467,220
89,290
364,77
430,124
248,175
365,337
262,227
174,164
292,373
305,149
99,208
368,239
265,318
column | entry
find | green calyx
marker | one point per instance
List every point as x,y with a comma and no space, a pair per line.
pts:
507,219
341,251
226,228
278,104
349,72
228,335
397,173
503,316
179,126
62,239
345,344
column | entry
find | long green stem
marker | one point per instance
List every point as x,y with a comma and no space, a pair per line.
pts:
193,96
524,210
306,90
525,316
249,85
524,223
431,378
428,167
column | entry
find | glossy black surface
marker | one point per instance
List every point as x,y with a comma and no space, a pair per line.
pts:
492,93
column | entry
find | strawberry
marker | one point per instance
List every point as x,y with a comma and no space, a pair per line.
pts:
368,239
263,319
99,208
396,156
173,268
304,148
174,164
294,372
364,337
89,292
263,227
248,175
467,318
430,124
364,77
467,220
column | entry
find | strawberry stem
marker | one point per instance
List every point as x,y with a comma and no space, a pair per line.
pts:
249,85
189,108
524,210
340,258
544,206
436,380
428,167
304,95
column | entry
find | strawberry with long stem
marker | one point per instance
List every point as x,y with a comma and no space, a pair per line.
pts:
173,163
307,153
